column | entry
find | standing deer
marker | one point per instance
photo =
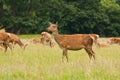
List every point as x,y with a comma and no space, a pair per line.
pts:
5,41
72,42
14,39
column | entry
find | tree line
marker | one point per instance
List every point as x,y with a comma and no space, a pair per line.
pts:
73,16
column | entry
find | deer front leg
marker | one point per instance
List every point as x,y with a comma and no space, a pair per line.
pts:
5,46
65,54
90,53
93,53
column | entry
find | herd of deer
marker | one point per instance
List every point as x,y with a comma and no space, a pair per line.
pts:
65,42
9,40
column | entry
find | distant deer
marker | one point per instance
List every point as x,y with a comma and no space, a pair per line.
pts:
36,40
72,42
114,41
104,45
5,41
46,37
14,39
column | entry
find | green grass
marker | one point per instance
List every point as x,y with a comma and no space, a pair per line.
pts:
40,62
30,36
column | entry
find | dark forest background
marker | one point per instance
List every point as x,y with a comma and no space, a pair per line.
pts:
73,16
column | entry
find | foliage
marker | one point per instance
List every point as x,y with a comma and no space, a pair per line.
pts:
74,16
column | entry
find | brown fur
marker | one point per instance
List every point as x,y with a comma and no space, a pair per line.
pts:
14,39
36,40
115,41
103,45
95,38
72,42
4,41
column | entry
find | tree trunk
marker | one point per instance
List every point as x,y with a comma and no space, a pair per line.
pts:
1,9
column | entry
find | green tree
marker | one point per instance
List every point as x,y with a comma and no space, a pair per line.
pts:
112,9
74,16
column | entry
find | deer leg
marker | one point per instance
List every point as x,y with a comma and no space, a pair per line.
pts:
1,47
24,46
90,52
65,54
13,44
90,55
5,46
51,43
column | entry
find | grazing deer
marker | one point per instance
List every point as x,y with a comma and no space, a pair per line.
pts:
115,41
46,37
14,39
72,42
5,41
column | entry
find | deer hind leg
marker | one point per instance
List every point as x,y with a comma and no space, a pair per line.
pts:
5,46
13,44
64,55
90,52
10,46
51,44
24,46
1,47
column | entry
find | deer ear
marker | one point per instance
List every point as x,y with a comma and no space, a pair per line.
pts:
49,22
56,23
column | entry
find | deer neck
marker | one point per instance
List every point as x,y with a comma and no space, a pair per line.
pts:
20,43
55,33
56,36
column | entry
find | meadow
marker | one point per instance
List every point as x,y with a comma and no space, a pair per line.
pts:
38,62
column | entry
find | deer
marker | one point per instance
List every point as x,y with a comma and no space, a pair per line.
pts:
36,40
14,39
104,45
5,41
46,37
114,41
72,41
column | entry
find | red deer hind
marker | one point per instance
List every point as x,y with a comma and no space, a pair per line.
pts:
15,39
72,42
4,41
115,41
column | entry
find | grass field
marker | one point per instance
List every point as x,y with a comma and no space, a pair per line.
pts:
40,62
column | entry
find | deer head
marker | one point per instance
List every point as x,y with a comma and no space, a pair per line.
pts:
52,27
